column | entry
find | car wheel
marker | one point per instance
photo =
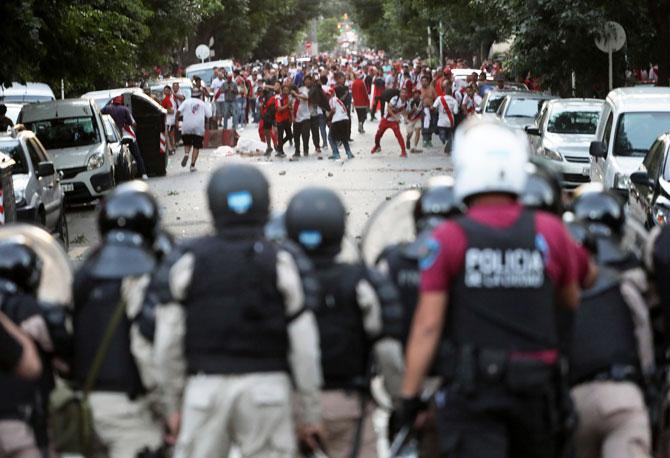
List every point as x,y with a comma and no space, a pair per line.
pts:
62,229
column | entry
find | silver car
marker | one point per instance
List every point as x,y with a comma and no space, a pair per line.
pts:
492,101
520,109
37,190
563,132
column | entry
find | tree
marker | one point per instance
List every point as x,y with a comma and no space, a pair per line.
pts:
326,34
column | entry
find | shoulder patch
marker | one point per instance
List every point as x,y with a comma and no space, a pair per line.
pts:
428,253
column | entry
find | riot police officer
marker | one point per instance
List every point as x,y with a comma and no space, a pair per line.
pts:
24,404
400,262
108,293
237,326
357,318
611,353
501,271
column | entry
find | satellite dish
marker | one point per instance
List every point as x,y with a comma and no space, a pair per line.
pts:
611,38
202,52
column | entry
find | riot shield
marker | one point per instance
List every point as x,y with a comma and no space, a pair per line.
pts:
56,282
391,223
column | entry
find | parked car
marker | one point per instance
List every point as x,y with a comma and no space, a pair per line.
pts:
102,98
72,131
510,86
37,190
631,121
563,132
492,100
205,70
125,167
13,110
26,93
649,189
519,110
185,86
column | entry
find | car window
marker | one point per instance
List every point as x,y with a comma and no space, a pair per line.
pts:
501,108
13,149
573,122
66,132
523,108
494,102
636,132
608,130
34,155
109,129
652,161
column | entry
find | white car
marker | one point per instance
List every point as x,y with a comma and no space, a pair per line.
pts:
563,133
206,70
102,98
185,86
13,110
631,121
72,131
26,93
519,110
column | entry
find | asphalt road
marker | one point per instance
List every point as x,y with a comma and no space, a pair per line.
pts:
363,182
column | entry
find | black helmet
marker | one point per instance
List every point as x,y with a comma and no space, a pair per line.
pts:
315,218
238,194
20,266
437,202
602,210
163,244
130,208
543,188
580,233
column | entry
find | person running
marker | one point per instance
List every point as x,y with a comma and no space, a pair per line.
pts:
447,109
340,127
361,100
413,121
391,120
193,112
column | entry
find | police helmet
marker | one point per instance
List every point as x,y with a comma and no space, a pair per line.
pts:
543,188
163,244
20,266
315,218
239,195
602,210
130,208
580,233
437,202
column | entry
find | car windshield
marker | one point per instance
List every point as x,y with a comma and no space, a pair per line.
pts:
523,108
13,149
573,122
66,132
494,103
636,132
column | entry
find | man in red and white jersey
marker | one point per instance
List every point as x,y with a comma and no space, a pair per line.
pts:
391,120
446,107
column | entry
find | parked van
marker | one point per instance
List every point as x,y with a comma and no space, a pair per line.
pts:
26,93
206,70
73,132
631,121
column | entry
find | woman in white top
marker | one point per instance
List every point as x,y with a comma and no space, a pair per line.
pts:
340,124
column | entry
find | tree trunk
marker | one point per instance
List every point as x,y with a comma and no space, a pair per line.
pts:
659,11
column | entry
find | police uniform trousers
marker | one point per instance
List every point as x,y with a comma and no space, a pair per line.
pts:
613,421
124,426
17,440
251,411
342,411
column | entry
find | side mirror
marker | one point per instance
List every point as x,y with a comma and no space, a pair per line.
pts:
45,169
598,149
532,130
642,179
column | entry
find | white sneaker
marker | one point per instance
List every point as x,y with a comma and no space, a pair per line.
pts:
193,169
145,177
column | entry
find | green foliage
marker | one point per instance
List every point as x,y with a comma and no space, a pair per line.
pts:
326,33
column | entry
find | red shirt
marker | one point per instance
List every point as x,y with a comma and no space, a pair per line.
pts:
167,102
283,115
452,243
359,93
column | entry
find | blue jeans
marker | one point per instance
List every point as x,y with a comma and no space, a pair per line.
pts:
446,135
322,126
333,146
241,103
230,110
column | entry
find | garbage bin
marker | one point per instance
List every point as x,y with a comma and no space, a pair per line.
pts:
151,131
7,203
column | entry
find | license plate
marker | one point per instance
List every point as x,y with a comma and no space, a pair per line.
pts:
586,171
67,187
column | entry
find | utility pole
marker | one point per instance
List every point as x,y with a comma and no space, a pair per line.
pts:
441,31
430,47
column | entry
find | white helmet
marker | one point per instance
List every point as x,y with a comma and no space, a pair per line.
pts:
488,157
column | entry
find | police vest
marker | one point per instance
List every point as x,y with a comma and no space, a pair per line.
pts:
503,299
603,332
345,346
95,302
405,275
235,316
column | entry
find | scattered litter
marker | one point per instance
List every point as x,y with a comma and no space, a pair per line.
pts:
330,174
283,172
224,151
250,147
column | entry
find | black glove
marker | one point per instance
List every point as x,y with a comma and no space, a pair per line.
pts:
405,414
